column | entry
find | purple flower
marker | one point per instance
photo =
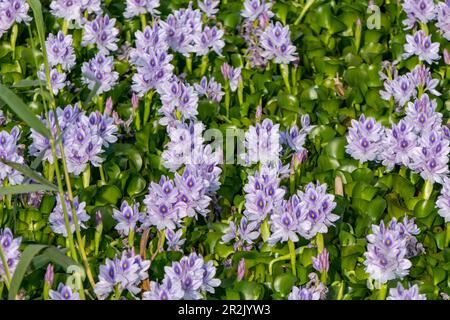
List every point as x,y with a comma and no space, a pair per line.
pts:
398,145
321,263
151,41
178,98
422,78
233,75
211,89
57,220
401,88
364,139
12,11
138,7
400,293
9,152
209,7
420,44
262,143
446,57
181,27
99,69
126,272
101,31
254,8
422,115
67,9
277,45
11,251
91,6
313,290
386,253
60,50
209,38
418,11
431,156
443,20
127,217
57,79
49,275
443,201
318,205
63,293
174,241
286,221
294,137
168,290
194,276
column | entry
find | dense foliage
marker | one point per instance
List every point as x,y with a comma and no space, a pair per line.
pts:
121,176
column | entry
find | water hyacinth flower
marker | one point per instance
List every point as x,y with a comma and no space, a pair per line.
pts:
57,220
443,20
57,79
211,89
127,217
91,6
241,270
10,246
60,50
209,7
313,290
400,293
9,152
254,8
13,11
418,11
185,145
401,88
168,290
262,143
126,271
100,69
387,251
398,145
209,39
364,139
277,45
420,44
69,10
181,27
321,263
443,201
178,98
318,206
233,75
294,137
102,33
138,7
49,275
422,114
194,276
263,193
63,293
421,76
174,241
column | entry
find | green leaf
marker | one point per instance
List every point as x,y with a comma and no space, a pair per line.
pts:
423,208
22,110
57,257
130,152
30,173
25,260
108,194
283,283
25,188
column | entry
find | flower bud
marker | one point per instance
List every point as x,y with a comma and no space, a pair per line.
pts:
49,275
108,106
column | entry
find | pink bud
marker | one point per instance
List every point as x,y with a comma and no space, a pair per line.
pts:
108,106
446,57
241,270
225,69
49,275
258,113
134,101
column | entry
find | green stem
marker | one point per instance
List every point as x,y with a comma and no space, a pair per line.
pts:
319,243
148,106
5,267
131,238
304,10
14,32
87,176
447,234
240,92
340,295
189,64
143,21
291,246
227,101
383,292
102,173
284,68
204,65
